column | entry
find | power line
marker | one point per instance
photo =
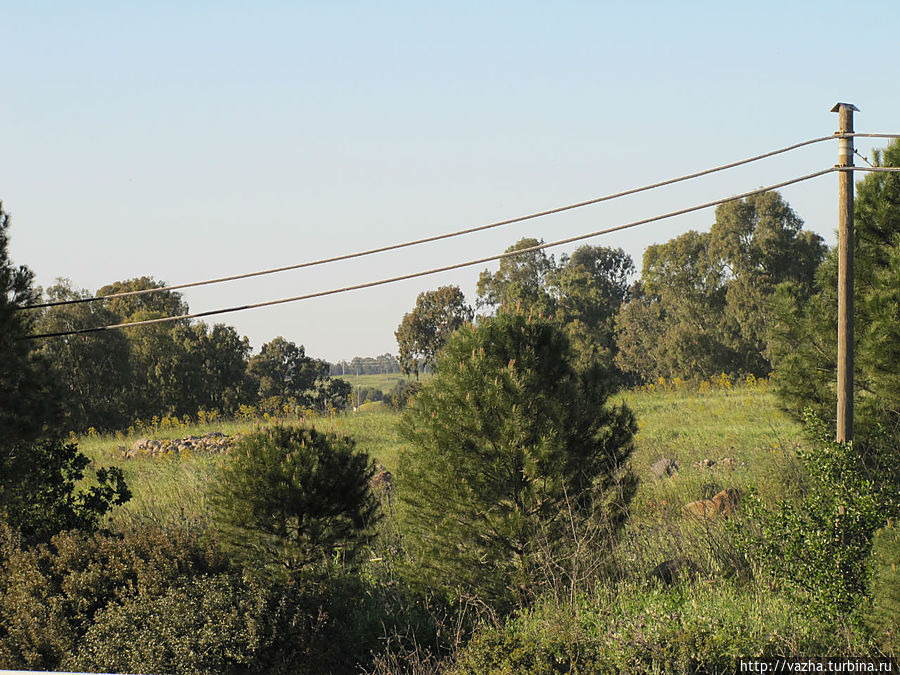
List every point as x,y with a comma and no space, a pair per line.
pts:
446,268
439,237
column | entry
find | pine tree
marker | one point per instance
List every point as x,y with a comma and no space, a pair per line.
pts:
507,445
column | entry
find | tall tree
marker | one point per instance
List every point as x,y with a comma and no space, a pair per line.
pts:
39,474
92,370
677,319
521,282
759,243
25,405
590,288
423,332
283,369
705,305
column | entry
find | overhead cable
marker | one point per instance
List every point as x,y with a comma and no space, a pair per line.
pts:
446,268
438,237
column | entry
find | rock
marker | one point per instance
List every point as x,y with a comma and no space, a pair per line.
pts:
722,505
672,571
664,467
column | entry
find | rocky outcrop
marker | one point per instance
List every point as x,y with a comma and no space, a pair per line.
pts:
213,442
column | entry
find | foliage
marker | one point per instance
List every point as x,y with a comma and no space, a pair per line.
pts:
40,494
39,474
91,371
704,305
642,628
283,369
333,393
823,545
295,496
805,343
365,394
503,441
884,615
591,286
402,393
50,594
521,283
25,406
423,332
218,624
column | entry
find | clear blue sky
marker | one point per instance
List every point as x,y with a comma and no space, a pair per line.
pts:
187,140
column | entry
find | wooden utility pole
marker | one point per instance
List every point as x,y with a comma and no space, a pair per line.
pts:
845,274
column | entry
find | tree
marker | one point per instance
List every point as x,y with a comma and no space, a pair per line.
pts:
507,443
297,496
39,475
211,368
423,332
760,243
805,339
143,306
590,287
520,283
706,301
676,319
283,369
25,404
92,371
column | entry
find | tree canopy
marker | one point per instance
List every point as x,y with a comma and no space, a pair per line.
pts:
423,332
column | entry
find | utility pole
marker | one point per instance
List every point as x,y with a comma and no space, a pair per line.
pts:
845,274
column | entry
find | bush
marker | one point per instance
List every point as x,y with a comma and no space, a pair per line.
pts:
403,392
823,545
507,445
217,624
50,594
645,629
39,494
295,496
884,615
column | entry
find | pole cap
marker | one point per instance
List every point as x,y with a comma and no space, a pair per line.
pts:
837,107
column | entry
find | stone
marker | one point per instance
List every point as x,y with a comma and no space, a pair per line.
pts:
664,467
674,570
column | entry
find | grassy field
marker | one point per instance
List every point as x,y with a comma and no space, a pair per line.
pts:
741,425
383,381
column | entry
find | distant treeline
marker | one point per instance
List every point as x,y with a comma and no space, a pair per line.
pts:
108,380
366,365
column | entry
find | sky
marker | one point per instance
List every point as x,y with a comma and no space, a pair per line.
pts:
194,140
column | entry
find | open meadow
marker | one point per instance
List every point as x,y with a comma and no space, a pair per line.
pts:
729,436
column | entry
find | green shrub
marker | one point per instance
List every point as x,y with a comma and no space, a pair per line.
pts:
295,496
218,624
403,392
50,594
637,628
823,545
508,444
39,493
884,616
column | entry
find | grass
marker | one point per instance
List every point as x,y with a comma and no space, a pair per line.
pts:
170,487
383,381
742,423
